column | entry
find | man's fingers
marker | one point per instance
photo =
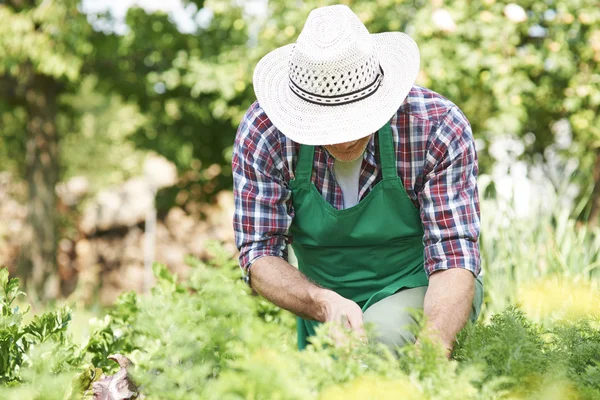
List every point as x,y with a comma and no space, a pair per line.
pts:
356,321
348,317
345,321
357,326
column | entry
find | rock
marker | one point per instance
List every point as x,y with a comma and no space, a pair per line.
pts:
132,278
73,190
133,246
128,204
120,207
108,294
106,257
181,226
172,254
159,171
85,254
12,219
118,386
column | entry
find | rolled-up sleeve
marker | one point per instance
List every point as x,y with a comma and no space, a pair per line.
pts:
449,201
262,198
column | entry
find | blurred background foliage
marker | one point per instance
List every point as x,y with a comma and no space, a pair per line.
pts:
79,97
86,96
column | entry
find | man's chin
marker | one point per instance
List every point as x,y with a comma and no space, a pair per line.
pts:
351,153
347,157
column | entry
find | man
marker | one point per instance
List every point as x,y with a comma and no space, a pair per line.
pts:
371,179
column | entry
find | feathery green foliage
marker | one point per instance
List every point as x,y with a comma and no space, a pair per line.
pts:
208,337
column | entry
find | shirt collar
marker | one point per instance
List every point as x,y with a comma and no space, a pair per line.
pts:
370,151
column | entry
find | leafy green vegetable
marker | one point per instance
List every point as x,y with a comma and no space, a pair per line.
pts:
209,337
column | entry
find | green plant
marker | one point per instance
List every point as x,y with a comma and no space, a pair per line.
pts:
209,337
517,252
17,339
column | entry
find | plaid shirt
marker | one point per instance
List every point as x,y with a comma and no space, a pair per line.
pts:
436,160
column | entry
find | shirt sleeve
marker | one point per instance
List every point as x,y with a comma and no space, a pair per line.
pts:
449,200
262,215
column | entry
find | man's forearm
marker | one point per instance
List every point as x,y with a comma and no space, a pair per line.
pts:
448,303
285,286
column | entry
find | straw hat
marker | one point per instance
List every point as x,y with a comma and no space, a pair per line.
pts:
337,83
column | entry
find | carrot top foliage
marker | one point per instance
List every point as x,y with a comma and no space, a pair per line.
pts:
208,338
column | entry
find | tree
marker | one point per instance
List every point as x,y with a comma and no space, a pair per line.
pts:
192,88
41,56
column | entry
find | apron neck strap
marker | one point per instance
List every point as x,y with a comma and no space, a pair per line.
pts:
387,152
305,163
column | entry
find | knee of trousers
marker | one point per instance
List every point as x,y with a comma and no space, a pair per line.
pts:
393,332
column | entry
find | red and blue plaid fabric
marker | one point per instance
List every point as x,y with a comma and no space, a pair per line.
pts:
436,161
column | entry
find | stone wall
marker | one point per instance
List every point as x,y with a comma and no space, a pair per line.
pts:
106,255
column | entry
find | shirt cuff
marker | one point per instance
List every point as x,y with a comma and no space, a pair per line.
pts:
276,247
467,258
445,265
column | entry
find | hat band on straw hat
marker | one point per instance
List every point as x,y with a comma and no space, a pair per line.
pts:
341,99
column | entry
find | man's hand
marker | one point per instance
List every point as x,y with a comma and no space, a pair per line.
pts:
342,313
288,288
338,309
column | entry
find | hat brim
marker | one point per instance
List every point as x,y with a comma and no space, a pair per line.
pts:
315,124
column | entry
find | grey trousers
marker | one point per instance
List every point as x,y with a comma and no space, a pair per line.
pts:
394,320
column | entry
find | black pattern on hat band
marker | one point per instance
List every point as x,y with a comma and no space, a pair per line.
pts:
338,100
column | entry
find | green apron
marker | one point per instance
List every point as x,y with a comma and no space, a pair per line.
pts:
364,253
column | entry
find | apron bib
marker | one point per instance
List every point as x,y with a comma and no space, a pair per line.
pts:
364,253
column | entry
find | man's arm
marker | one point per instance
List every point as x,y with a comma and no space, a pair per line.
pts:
450,215
288,288
448,303
262,217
